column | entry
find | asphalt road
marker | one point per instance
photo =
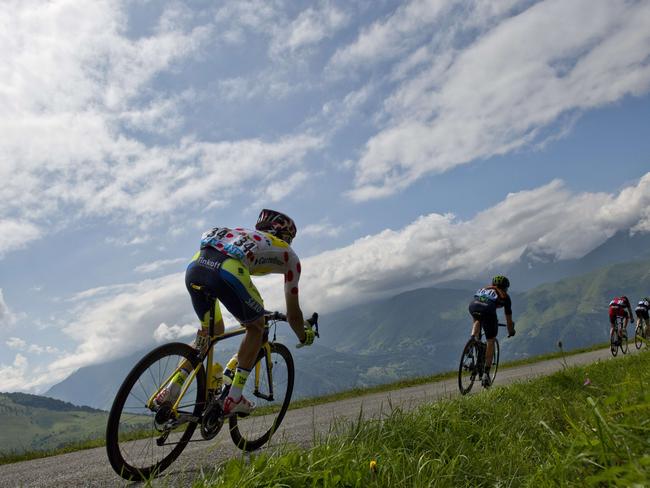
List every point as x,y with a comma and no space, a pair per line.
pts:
301,426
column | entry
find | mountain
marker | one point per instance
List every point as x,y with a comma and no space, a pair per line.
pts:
534,269
32,422
95,385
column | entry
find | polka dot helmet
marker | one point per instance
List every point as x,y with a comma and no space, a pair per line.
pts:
277,224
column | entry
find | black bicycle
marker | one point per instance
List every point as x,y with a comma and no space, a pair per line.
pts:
641,333
472,362
616,342
143,439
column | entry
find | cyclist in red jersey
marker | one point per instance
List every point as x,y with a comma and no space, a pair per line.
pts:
619,307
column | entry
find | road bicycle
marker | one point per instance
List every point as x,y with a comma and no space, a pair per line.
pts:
472,362
641,333
615,342
142,439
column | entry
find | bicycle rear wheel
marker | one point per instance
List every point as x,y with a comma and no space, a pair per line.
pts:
613,345
271,397
638,336
495,361
468,370
141,443
624,347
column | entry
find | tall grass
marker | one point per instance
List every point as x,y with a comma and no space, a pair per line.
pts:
583,426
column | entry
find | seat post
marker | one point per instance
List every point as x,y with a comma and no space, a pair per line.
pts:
211,325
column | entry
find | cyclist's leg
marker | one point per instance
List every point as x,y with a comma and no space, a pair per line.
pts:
475,309
476,324
243,300
612,322
490,327
202,272
196,276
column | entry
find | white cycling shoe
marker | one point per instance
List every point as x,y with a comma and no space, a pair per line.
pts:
242,407
167,395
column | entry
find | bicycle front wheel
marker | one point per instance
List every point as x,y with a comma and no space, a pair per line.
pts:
269,385
140,442
468,370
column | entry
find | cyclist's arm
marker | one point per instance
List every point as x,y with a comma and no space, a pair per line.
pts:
629,307
294,316
507,308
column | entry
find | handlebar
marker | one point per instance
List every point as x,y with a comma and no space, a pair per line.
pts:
513,329
312,321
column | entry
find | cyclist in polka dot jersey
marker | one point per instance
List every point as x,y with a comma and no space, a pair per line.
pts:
223,266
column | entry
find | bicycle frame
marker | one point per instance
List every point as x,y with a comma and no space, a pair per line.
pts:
209,354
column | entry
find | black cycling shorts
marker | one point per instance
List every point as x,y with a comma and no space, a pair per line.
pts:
228,281
486,314
642,313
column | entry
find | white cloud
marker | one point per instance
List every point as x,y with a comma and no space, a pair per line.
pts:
14,376
310,27
16,234
386,39
7,318
21,345
324,228
158,265
16,343
502,91
276,191
167,333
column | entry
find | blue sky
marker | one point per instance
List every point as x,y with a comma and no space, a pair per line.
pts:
413,142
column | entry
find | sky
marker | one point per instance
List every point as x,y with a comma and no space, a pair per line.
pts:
413,142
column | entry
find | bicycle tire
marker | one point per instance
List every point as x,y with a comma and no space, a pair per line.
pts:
251,433
140,383
468,368
495,361
624,346
638,336
613,346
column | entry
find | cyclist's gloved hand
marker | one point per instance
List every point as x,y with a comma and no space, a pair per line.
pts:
309,336
512,331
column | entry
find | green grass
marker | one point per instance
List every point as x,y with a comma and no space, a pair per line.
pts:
560,430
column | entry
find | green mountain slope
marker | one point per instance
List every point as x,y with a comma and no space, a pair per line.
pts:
574,310
36,423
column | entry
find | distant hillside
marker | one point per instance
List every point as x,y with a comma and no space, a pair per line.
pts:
95,385
36,423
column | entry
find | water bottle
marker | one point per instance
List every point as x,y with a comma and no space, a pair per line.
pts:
216,377
229,372
228,375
